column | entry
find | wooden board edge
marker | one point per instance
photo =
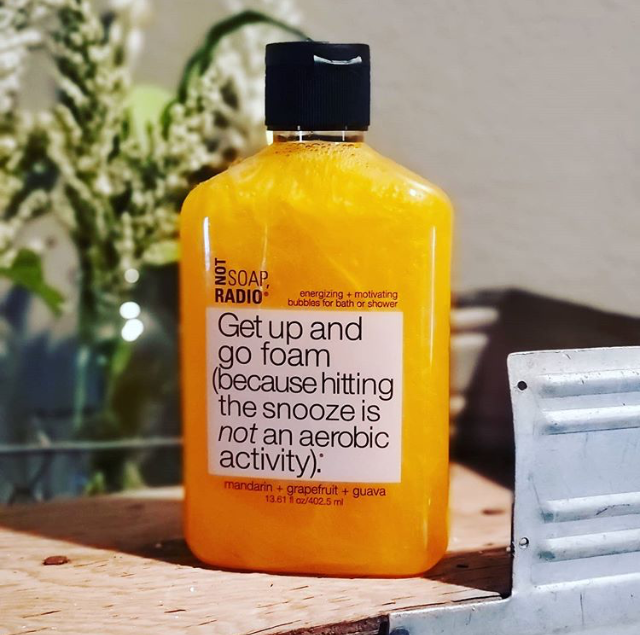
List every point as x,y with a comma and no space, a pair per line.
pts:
369,626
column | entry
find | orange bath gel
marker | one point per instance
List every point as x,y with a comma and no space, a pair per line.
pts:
315,343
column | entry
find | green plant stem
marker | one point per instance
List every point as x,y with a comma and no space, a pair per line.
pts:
202,58
80,386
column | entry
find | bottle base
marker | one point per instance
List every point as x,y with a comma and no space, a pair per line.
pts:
325,570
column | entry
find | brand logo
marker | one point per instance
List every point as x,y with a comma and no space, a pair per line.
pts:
239,286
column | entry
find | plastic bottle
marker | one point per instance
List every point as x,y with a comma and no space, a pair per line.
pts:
315,341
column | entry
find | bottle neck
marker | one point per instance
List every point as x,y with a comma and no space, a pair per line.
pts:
333,136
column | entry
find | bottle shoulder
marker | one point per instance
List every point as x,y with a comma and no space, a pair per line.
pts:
418,188
323,172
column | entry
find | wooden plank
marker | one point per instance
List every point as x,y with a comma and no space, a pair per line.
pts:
130,572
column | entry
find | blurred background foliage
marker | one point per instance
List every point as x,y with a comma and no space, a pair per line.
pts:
109,162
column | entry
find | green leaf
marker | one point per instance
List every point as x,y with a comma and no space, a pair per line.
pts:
146,104
163,252
96,485
26,271
236,22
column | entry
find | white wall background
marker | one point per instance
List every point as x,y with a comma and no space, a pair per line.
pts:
527,113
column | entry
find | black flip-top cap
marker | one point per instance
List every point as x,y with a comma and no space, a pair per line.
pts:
317,86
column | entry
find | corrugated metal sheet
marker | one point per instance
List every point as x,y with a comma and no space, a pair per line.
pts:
576,526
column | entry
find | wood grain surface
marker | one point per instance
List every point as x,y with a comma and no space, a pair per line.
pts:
130,572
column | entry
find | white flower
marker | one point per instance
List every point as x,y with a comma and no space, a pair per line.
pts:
103,185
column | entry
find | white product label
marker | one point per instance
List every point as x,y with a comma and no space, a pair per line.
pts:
305,395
